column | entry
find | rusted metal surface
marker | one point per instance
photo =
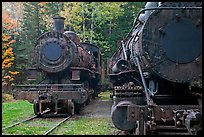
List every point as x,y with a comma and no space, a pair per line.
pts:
57,51
168,118
48,91
96,64
48,44
85,58
75,75
66,65
30,96
169,51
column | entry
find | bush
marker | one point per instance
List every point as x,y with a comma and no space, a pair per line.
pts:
7,97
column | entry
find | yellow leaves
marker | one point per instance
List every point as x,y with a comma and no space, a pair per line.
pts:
15,33
5,17
7,50
7,23
13,72
7,54
12,41
5,37
42,3
10,77
72,13
8,26
7,77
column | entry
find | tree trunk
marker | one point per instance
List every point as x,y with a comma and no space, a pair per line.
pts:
92,25
110,29
83,21
38,21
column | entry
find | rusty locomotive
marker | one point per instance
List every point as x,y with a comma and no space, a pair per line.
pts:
155,70
72,71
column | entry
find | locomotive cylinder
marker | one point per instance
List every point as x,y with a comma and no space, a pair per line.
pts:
119,119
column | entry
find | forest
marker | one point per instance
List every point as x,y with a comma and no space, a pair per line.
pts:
100,23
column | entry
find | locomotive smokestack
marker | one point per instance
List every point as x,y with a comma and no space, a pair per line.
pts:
59,23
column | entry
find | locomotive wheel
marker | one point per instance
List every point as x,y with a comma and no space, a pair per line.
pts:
36,107
83,100
70,107
86,84
89,99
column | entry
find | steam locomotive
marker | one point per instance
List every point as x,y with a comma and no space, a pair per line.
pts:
155,70
72,71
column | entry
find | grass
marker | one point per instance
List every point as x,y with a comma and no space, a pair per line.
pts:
86,126
35,127
105,95
25,129
19,110
13,112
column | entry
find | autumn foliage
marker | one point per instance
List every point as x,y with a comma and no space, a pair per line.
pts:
8,29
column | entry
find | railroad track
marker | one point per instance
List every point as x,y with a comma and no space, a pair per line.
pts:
28,119
57,125
34,117
15,124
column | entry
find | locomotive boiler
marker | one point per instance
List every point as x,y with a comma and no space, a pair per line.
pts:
71,69
154,71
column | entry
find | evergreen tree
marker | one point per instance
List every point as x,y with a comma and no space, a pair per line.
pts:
124,23
101,23
31,29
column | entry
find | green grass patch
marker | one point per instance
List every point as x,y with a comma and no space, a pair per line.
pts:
25,129
35,127
86,126
13,112
105,95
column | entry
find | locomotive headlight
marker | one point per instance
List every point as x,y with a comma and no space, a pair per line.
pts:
52,51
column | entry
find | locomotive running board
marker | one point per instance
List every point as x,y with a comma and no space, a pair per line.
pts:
61,91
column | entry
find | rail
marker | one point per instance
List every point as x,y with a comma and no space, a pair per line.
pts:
28,119
58,124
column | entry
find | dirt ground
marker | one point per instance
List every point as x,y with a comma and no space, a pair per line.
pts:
100,109
97,108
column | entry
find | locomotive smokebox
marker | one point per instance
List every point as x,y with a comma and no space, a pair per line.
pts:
172,46
54,51
59,23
